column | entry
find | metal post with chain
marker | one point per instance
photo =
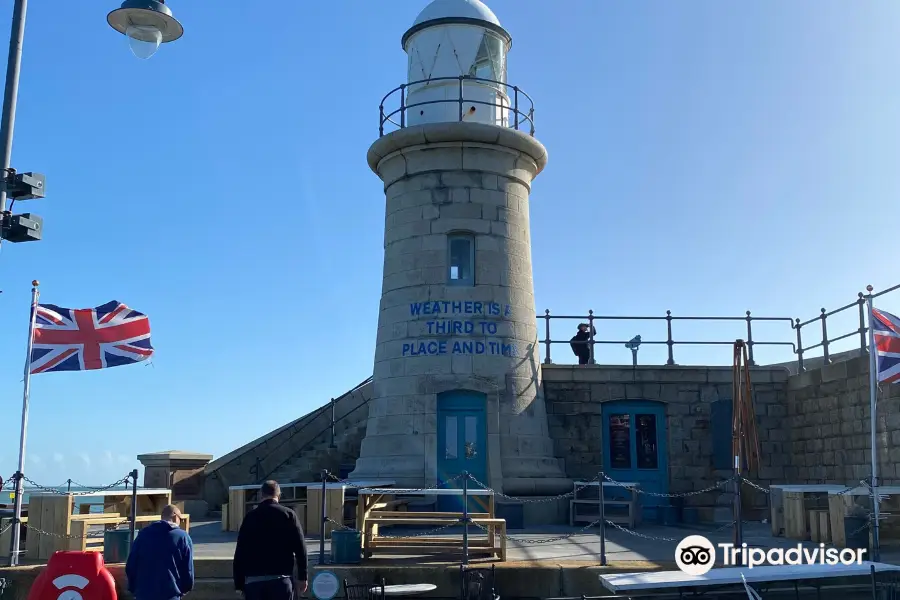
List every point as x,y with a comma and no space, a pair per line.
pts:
465,518
132,520
602,508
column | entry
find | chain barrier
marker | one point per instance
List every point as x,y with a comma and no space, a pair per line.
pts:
5,529
63,536
706,490
335,479
542,540
87,492
340,526
535,500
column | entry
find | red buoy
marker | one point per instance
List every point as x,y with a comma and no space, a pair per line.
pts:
74,576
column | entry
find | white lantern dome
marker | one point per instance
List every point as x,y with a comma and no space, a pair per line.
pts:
457,65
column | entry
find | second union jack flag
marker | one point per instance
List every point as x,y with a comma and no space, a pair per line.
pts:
81,339
886,330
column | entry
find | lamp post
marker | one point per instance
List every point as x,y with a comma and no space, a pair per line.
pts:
147,23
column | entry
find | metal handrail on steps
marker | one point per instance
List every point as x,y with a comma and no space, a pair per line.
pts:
255,469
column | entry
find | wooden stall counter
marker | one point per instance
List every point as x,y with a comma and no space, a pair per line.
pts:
305,498
54,514
790,506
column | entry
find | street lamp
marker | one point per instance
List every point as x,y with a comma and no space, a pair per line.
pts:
147,24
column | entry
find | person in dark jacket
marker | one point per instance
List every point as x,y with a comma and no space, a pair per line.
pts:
580,343
160,564
269,543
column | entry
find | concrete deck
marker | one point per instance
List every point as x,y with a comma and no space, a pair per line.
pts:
647,544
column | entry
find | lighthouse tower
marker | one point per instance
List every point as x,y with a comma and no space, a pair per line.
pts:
457,384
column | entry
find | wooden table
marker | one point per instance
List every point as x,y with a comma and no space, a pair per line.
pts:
789,507
55,513
586,495
841,500
305,498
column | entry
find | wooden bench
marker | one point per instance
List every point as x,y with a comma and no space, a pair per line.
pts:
582,489
477,545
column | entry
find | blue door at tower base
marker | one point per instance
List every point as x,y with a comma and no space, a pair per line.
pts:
635,452
461,447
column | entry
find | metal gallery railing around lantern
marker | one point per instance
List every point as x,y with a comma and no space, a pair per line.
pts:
521,115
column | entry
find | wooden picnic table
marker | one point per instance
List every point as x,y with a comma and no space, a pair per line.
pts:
375,509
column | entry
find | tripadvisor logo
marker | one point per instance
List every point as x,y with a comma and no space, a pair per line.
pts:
696,555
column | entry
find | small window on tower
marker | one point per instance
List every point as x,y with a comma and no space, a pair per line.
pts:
461,248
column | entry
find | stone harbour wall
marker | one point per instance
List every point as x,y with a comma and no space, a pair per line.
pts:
575,399
828,430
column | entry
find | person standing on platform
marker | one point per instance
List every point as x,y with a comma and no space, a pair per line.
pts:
581,343
269,542
160,564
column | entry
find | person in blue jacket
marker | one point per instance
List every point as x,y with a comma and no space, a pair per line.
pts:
161,562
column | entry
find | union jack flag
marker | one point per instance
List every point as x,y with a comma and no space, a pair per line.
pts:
81,339
886,330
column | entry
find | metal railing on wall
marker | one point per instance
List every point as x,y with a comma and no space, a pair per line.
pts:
260,474
797,326
591,319
520,106
822,319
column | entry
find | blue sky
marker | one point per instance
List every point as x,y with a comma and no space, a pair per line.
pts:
705,157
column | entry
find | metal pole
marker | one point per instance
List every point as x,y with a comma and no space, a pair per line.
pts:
324,520
15,538
68,486
466,518
873,404
11,92
634,357
602,508
332,423
132,520
738,518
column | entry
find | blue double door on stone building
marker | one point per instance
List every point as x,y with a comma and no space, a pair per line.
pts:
634,451
461,446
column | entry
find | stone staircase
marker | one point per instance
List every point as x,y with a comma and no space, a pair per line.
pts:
297,451
308,464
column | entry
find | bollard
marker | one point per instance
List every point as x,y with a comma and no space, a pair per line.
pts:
602,520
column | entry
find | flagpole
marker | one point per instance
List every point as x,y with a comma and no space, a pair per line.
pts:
16,524
873,402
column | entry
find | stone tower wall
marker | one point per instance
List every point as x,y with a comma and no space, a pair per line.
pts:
432,337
